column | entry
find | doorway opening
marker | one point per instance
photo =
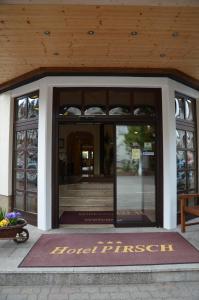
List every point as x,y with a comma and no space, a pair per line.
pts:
86,177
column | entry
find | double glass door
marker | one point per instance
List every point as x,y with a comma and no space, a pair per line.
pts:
135,190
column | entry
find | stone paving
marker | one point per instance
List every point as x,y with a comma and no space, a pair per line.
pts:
11,255
169,291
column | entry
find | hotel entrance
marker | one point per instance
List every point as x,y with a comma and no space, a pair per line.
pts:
107,157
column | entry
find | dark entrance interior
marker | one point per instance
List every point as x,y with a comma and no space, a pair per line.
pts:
107,148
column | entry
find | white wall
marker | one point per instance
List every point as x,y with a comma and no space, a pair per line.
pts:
45,135
6,138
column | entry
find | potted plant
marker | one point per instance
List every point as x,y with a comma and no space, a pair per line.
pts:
11,227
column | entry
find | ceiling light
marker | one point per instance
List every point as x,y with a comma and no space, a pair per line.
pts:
91,32
134,33
46,32
175,34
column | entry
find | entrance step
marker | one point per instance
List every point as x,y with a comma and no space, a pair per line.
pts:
86,193
85,201
87,186
100,276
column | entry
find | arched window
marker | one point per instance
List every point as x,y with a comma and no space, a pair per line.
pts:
144,110
119,110
70,111
95,110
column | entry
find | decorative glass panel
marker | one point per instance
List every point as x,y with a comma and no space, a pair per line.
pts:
180,138
179,104
19,200
31,181
31,160
181,160
31,202
144,110
190,160
188,109
33,106
20,139
21,109
181,181
119,111
20,182
69,111
191,180
95,111
190,140
32,138
20,160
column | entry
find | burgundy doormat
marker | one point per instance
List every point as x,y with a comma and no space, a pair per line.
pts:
99,217
106,249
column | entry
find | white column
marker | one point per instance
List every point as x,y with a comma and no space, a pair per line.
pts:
169,161
45,157
6,141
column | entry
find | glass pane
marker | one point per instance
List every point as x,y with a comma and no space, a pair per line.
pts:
20,180
144,110
95,97
190,140
135,171
181,181
189,110
33,106
20,159
31,160
69,111
31,202
180,138
21,109
19,200
179,104
20,140
191,180
119,111
95,111
190,160
31,181
32,139
181,160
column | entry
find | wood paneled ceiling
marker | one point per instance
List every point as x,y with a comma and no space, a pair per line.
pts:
34,36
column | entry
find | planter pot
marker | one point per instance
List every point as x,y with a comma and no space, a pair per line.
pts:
16,232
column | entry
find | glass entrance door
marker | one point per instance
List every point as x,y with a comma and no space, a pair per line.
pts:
135,175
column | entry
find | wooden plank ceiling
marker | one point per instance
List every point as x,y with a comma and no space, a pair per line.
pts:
33,36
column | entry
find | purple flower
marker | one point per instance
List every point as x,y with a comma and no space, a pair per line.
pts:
13,215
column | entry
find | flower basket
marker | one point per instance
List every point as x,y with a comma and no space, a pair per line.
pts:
15,232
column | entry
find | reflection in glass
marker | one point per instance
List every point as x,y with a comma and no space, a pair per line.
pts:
32,138
181,180
135,170
20,159
33,106
19,200
191,180
180,138
144,110
31,160
188,110
69,111
190,159
21,109
181,160
179,106
119,111
31,181
190,140
20,139
20,184
95,111
31,202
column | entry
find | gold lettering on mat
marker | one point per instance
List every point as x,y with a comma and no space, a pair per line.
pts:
113,247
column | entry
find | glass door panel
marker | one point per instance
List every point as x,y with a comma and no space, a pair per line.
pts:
135,174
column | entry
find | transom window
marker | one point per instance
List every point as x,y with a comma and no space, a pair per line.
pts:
107,102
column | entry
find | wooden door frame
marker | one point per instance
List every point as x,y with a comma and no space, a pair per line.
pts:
106,120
